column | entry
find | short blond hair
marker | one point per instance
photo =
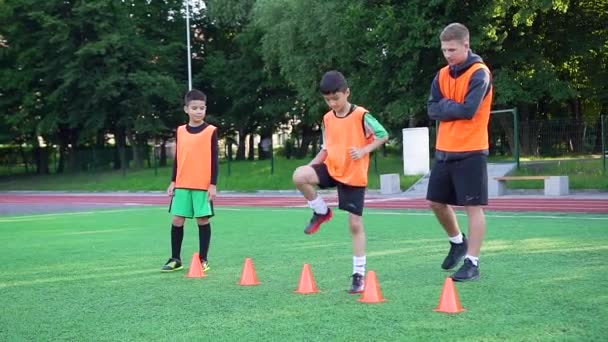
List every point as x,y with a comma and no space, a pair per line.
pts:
454,31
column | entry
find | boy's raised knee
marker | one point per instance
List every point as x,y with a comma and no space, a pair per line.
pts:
299,175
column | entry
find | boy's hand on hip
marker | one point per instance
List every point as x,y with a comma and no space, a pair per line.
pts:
212,192
356,153
171,189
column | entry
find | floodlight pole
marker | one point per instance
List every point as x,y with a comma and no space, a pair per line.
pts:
604,152
188,44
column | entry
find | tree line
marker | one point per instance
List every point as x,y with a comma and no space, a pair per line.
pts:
75,73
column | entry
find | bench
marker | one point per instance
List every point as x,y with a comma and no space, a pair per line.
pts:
554,185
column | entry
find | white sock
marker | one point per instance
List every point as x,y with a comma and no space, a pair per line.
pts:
359,265
474,259
456,239
318,205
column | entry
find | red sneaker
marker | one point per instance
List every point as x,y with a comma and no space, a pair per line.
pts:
316,221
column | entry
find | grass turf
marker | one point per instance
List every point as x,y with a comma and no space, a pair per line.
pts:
582,173
585,172
95,276
235,176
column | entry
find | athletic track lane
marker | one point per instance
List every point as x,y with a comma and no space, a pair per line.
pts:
532,204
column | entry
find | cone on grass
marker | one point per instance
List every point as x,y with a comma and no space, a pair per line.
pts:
448,302
307,283
248,276
371,293
196,268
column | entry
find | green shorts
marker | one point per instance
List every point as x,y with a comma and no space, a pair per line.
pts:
190,203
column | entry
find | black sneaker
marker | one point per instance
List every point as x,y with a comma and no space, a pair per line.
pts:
172,265
316,221
467,272
457,251
358,285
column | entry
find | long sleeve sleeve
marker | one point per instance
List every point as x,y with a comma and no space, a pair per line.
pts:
214,158
174,176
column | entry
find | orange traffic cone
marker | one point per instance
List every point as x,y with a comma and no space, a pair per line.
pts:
248,276
371,293
449,302
196,269
307,282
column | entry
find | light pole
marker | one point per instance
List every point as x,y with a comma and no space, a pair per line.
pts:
188,44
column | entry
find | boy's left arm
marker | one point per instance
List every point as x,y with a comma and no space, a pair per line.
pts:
212,191
372,126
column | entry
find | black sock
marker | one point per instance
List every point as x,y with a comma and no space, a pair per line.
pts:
204,238
177,236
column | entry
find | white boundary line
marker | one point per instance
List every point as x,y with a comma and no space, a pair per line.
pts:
565,216
578,216
59,215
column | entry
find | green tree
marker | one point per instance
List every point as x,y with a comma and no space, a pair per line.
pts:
81,70
252,98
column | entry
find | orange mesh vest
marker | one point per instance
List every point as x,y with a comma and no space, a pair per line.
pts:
340,135
194,158
463,135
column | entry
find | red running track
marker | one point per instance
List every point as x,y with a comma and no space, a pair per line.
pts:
582,205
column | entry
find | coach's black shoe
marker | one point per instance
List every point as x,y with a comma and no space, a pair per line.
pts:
457,251
467,272
316,221
357,285
172,265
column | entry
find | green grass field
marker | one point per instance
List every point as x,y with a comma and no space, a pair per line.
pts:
249,176
582,173
95,276
234,176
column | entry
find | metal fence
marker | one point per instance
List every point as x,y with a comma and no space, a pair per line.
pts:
49,159
532,138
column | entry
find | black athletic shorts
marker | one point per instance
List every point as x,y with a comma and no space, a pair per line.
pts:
462,182
350,198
